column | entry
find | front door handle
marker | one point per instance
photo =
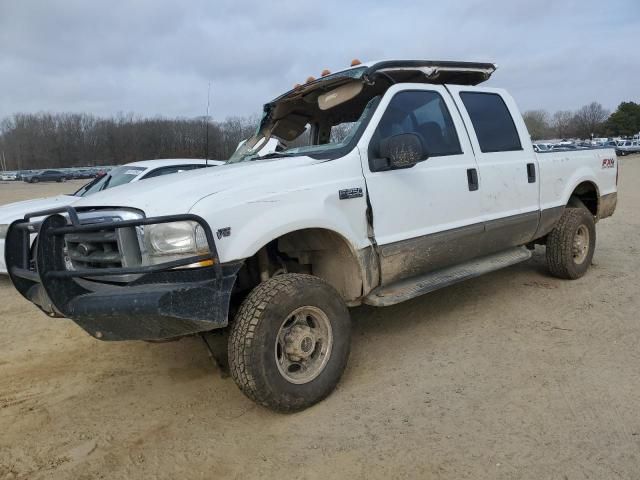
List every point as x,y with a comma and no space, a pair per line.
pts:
531,172
472,179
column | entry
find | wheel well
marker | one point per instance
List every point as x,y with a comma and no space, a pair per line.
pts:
315,251
587,193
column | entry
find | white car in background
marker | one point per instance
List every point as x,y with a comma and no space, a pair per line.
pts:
128,173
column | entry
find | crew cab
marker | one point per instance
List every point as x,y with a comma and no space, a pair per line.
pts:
414,177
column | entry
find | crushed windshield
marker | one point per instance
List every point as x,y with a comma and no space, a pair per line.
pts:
329,135
117,176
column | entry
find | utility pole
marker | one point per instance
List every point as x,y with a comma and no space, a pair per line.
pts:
206,147
4,162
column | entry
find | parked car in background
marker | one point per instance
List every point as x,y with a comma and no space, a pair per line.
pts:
46,176
8,176
131,172
542,147
84,173
563,147
628,147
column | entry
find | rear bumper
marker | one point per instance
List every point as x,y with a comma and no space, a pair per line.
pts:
157,302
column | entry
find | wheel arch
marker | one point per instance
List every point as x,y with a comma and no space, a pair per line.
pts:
323,252
588,193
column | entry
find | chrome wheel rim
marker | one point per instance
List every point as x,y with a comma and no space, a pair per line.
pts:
580,247
303,345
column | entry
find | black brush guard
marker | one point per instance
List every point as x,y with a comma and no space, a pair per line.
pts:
160,302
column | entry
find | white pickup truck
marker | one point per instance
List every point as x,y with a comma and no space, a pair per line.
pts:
413,178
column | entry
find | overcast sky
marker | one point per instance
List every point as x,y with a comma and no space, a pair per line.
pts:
156,57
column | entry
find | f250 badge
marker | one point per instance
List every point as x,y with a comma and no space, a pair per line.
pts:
348,193
608,163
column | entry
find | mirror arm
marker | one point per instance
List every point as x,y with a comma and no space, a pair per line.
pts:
380,164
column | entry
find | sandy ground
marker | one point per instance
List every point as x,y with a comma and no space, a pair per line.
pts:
511,375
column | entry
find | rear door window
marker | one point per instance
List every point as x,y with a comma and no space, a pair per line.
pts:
492,122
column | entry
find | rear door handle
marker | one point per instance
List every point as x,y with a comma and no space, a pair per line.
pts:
531,172
472,179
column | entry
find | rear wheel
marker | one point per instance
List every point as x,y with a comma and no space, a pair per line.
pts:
34,180
571,244
290,342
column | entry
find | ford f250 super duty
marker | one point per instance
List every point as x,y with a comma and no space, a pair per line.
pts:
413,178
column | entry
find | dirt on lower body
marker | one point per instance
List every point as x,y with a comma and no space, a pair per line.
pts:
515,374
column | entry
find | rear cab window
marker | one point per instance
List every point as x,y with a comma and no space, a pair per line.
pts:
492,122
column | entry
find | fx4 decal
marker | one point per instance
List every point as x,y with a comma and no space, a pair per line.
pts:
608,163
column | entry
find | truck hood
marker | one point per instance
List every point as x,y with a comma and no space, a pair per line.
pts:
14,211
176,194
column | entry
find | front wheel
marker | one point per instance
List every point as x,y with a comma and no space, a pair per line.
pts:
290,342
571,244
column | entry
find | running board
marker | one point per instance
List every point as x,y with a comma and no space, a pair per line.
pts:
412,287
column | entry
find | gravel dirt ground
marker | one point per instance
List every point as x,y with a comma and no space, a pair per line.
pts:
512,375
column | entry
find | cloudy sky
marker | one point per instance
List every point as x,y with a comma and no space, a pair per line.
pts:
156,57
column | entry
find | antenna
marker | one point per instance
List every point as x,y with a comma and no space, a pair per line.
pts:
206,147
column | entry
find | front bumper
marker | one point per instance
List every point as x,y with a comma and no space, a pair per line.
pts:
157,302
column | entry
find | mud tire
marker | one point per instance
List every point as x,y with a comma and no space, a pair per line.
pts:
254,333
561,258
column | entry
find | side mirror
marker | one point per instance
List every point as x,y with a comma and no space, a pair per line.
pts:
403,150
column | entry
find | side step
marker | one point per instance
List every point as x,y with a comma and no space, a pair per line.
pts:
412,287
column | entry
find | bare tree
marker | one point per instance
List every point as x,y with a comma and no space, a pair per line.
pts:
537,122
46,140
562,123
590,119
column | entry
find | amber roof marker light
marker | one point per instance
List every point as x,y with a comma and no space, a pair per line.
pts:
355,62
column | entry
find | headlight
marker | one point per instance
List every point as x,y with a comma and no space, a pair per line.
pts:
3,230
176,238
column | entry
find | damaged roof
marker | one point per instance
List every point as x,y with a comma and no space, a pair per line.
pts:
287,115
401,71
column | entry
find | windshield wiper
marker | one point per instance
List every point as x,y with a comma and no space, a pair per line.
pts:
106,183
273,155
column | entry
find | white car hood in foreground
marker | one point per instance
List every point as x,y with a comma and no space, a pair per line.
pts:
14,211
177,194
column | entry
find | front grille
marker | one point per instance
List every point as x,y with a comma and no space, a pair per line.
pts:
94,249
105,248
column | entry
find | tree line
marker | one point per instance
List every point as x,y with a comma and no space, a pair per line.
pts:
592,119
52,140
